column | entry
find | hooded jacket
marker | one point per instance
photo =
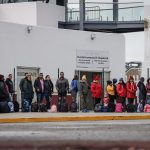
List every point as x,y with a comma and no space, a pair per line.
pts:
96,90
131,90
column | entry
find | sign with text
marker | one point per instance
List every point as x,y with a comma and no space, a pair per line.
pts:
92,59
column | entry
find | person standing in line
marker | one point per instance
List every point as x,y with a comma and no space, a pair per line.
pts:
148,88
39,88
96,90
142,91
48,90
121,91
74,88
21,89
83,93
131,90
28,93
62,87
111,92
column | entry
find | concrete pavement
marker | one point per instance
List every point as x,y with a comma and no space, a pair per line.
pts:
60,117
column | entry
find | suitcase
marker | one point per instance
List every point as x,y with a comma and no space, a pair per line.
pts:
16,106
119,107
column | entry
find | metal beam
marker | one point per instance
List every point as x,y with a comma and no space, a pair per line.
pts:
82,14
115,10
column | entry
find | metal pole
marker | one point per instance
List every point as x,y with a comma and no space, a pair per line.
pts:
66,10
79,93
115,10
82,14
58,73
14,81
103,77
148,73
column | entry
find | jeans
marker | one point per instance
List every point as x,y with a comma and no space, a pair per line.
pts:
48,100
74,96
27,105
84,101
40,97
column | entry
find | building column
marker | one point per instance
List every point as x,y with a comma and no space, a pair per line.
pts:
82,14
66,10
115,10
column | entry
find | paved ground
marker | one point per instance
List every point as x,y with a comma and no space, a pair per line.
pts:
109,135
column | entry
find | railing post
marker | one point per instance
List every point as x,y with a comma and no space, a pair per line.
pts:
82,14
115,10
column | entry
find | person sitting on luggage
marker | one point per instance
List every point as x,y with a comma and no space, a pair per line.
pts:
96,90
111,91
48,90
131,90
106,100
83,93
62,87
74,88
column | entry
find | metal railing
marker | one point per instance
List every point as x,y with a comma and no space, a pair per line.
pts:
100,11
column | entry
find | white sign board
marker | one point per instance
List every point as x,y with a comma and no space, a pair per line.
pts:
92,59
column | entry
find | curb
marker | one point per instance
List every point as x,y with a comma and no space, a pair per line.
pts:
74,118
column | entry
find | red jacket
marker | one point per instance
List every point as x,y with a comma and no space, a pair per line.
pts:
148,88
131,90
96,90
121,90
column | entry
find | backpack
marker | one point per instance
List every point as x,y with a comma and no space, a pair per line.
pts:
118,107
111,107
34,107
4,107
147,108
73,107
53,109
26,106
16,106
63,107
98,108
131,108
140,107
43,107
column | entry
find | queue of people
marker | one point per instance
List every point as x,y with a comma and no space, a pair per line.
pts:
119,96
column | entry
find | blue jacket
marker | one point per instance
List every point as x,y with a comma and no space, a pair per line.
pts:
74,85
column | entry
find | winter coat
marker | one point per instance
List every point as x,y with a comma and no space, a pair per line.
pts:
84,88
110,90
74,85
10,85
37,85
62,85
131,90
142,91
121,90
148,88
28,89
48,87
21,84
4,95
96,90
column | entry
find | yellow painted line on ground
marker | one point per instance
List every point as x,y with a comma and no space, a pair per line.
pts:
78,118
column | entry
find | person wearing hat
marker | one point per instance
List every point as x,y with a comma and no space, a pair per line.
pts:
131,90
83,93
96,90
142,91
121,91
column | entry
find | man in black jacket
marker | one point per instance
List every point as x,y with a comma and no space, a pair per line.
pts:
39,88
9,83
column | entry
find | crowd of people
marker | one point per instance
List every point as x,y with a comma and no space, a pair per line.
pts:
118,95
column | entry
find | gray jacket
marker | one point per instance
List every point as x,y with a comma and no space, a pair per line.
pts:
62,85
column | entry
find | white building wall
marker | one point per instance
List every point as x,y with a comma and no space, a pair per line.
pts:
32,13
49,14
51,48
22,13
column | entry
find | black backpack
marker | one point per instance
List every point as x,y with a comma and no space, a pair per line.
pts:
63,107
42,107
131,108
4,107
34,107
16,106
111,107
73,107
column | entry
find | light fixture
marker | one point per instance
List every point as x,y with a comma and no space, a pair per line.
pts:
29,28
93,36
